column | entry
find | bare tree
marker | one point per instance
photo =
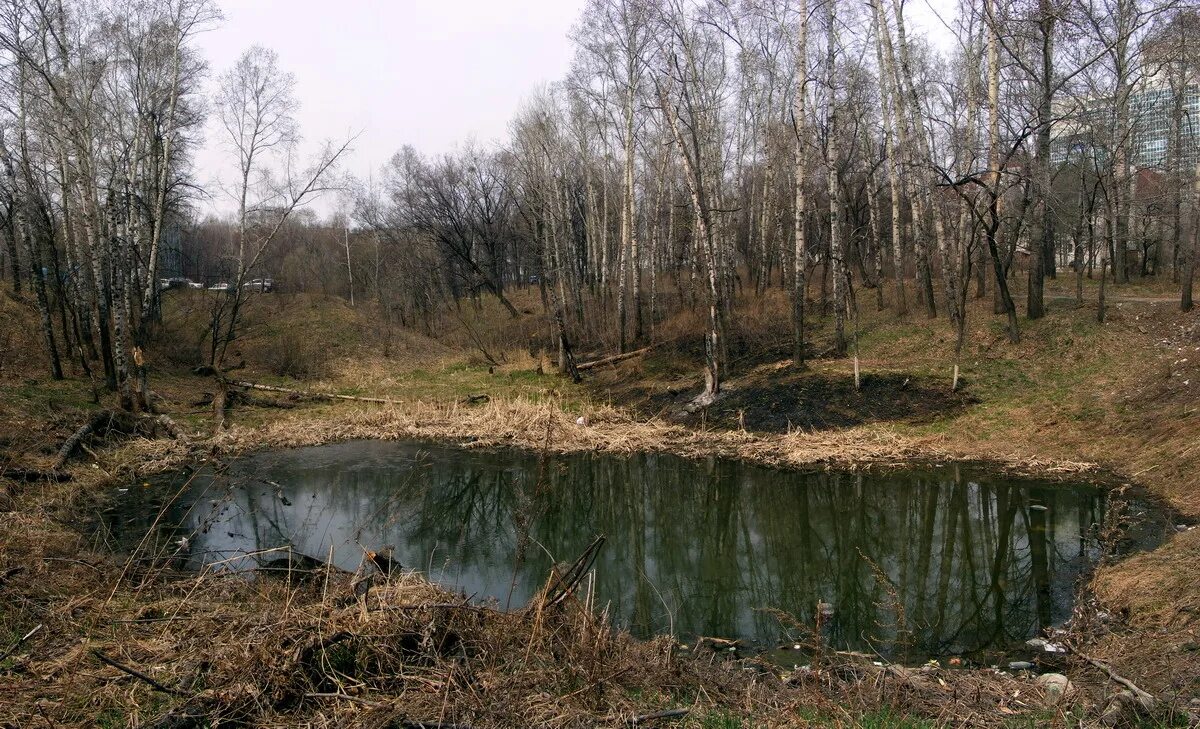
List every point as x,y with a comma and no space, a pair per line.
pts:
255,106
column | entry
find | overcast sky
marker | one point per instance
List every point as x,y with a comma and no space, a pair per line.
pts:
430,73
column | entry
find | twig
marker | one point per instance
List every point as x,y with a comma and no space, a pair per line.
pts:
134,672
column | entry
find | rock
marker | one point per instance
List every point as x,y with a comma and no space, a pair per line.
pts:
1056,686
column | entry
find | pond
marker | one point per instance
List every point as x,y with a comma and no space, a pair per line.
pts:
910,564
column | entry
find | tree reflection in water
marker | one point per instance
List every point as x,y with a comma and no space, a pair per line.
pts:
915,563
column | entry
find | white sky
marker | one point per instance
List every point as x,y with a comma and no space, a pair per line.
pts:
430,73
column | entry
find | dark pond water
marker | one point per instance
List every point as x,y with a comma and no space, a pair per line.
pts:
977,564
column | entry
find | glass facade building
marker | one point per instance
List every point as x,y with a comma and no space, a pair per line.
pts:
1086,130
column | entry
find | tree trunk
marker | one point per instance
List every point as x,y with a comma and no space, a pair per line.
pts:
799,215
837,241
887,93
704,234
1189,268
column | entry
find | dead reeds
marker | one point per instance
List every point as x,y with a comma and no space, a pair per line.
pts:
218,649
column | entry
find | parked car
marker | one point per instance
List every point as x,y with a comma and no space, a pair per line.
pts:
176,282
262,285
219,287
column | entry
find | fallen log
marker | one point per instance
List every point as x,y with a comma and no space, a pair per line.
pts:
31,475
611,359
106,421
102,419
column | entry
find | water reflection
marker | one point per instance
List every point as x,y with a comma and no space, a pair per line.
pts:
917,564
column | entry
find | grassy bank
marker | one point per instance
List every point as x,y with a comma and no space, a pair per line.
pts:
1115,402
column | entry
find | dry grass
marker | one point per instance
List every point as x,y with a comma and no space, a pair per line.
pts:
550,423
289,651
1155,632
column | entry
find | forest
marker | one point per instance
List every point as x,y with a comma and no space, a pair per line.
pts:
693,152
944,252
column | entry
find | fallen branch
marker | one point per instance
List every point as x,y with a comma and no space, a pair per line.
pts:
612,359
315,395
564,582
133,672
1148,700
665,714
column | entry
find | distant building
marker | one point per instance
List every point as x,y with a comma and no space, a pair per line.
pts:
1085,130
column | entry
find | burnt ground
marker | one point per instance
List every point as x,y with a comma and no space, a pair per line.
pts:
776,400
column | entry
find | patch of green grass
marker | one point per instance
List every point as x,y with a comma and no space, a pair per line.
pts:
111,718
64,393
721,720
10,633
